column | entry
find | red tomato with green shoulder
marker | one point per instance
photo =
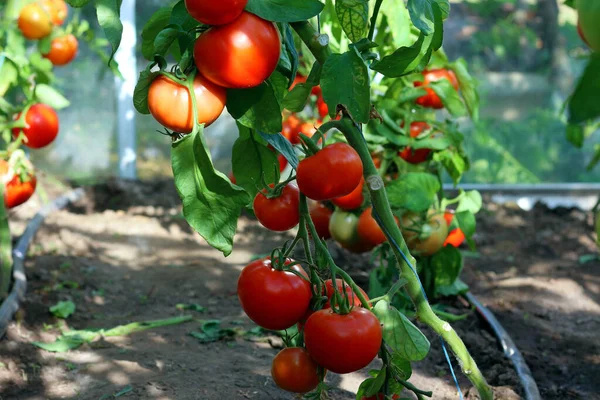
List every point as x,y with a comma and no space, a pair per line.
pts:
431,99
171,105
211,12
416,156
239,55
18,189
41,126
424,236
353,200
588,23
352,297
293,370
334,171
280,213
321,215
274,299
343,343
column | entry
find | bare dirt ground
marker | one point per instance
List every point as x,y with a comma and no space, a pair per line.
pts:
125,254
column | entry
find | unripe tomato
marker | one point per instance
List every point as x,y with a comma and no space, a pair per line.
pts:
41,126
352,297
273,299
211,12
239,55
368,229
334,171
321,215
281,213
16,191
63,50
57,9
589,18
424,237
343,228
293,370
416,156
343,343
170,103
353,200
431,99
35,22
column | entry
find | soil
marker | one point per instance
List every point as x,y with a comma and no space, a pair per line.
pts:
124,254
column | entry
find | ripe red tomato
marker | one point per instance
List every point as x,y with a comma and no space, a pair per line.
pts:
416,156
281,213
41,126
63,50
321,215
456,237
334,171
424,237
380,396
343,228
293,370
282,162
212,12
291,124
589,15
431,99
239,55
368,229
16,190
353,200
273,299
170,103
57,9
34,21
322,107
352,297
343,343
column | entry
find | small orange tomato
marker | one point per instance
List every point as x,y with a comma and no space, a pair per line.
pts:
57,9
63,50
34,22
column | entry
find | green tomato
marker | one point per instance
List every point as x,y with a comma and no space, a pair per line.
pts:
589,21
343,228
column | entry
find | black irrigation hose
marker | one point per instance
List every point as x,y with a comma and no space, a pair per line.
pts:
510,350
10,306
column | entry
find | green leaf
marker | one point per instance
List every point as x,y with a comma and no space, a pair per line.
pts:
595,159
584,104
345,80
157,22
8,76
371,386
414,191
422,14
401,334
401,366
109,18
165,39
457,288
466,222
77,3
576,135
449,96
398,17
470,201
252,162
405,60
283,146
454,162
285,10
212,332
354,17
256,108
63,309
468,88
61,345
446,265
50,96
296,98
140,93
211,204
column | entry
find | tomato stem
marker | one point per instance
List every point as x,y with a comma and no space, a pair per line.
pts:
5,248
374,19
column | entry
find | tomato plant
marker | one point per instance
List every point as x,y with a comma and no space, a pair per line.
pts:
419,155
353,299
278,211
344,172
227,61
343,343
273,297
432,99
295,371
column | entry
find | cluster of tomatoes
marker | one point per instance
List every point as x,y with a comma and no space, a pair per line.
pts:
286,296
41,129
39,19
240,50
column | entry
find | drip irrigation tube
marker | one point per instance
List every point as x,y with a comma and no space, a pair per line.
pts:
11,304
510,350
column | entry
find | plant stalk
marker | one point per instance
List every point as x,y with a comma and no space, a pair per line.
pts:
5,249
382,206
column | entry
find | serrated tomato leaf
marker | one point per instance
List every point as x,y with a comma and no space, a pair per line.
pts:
354,17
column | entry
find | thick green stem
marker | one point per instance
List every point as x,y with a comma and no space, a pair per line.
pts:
382,207
5,249
374,19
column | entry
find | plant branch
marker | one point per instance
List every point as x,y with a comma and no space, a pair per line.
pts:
374,19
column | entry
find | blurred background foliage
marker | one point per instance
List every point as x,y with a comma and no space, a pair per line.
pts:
525,53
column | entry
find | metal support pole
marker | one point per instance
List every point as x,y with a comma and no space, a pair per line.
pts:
126,58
